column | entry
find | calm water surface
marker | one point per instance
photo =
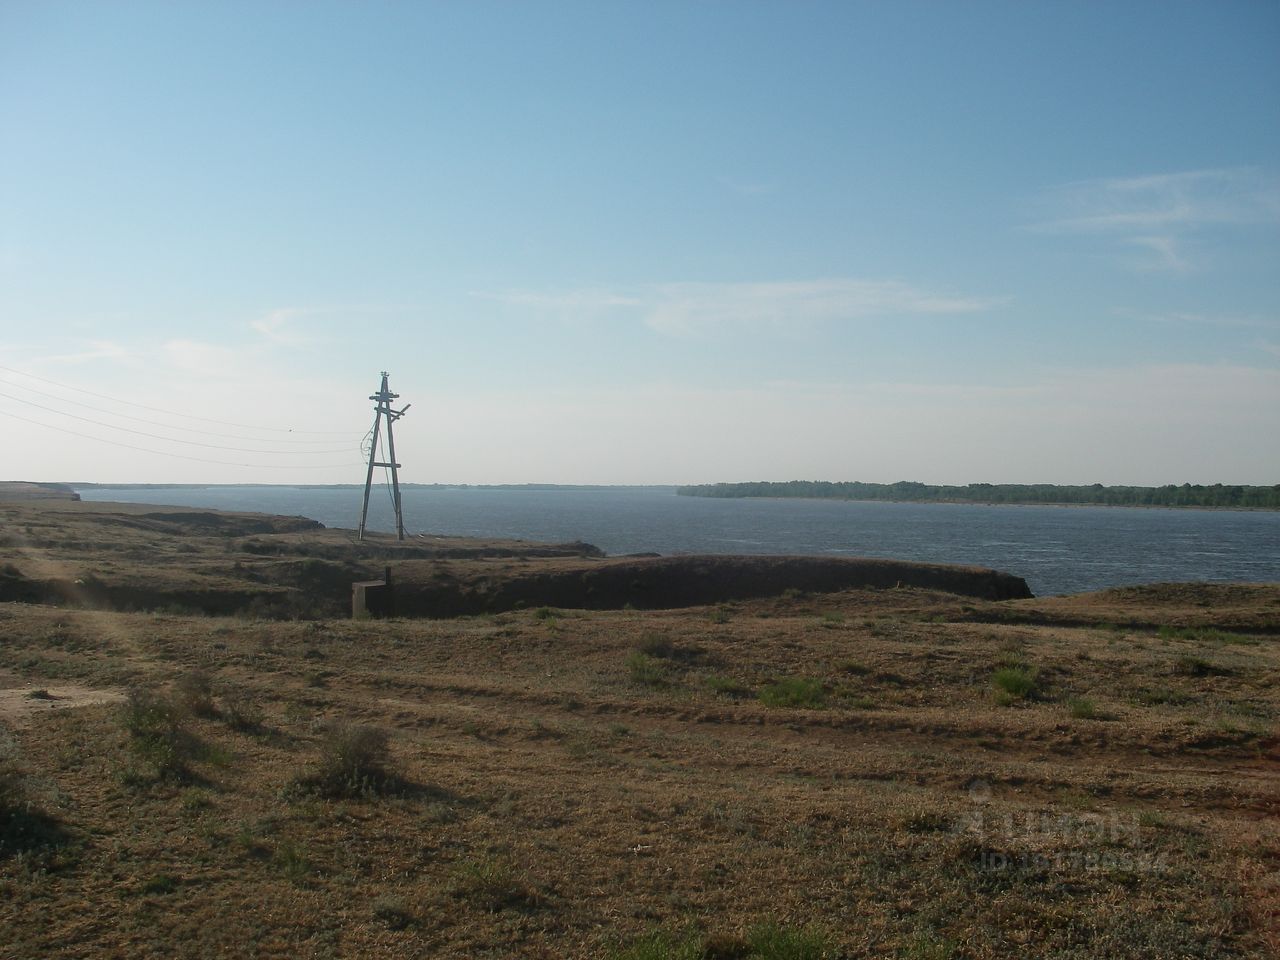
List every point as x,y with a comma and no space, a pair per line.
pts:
1056,549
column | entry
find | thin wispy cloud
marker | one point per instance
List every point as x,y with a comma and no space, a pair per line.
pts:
686,309
1189,319
587,300
92,350
301,326
697,309
1160,213
280,326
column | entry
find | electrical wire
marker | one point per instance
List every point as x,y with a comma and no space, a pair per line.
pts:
179,456
154,423
185,416
156,436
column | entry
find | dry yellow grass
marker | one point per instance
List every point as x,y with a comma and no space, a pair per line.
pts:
553,802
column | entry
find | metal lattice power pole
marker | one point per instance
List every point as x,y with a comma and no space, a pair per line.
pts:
384,396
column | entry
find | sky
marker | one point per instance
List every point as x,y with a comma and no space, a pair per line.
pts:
600,242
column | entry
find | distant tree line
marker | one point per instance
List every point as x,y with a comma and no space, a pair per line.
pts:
1186,495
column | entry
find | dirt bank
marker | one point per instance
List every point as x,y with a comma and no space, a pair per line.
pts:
139,557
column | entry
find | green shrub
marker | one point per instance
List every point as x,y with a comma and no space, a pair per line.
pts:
727,687
292,861
1082,708
646,670
1014,683
656,645
159,884
794,692
158,735
772,941
660,945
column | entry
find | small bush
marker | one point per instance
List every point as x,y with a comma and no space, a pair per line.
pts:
1082,708
646,670
241,712
354,761
727,687
1014,683
721,614
193,692
158,735
160,884
292,861
794,692
546,613
656,645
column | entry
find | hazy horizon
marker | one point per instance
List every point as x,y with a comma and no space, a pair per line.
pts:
657,244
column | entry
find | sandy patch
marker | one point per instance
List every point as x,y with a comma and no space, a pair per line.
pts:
23,704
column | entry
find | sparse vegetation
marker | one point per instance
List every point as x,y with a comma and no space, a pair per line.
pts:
727,687
193,693
794,692
354,761
491,884
158,734
1192,666
645,670
1014,683
535,800
1082,708
764,941
241,711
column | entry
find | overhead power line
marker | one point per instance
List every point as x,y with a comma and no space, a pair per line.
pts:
179,456
184,416
156,436
154,423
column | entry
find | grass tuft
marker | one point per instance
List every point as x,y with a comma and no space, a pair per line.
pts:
660,945
772,941
1014,683
354,762
645,670
491,884
1082,708
158,735
727,687
794,692
193,692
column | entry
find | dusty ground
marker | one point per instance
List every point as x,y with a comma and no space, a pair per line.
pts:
571,781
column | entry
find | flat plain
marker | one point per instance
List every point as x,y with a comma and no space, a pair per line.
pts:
860,773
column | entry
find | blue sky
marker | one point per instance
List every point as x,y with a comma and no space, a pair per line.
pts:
658,242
